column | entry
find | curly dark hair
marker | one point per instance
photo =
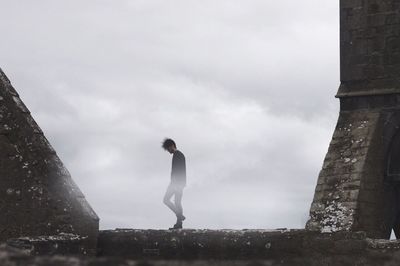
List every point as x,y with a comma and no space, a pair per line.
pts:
168,143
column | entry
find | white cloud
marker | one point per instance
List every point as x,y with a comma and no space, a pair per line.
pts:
245,88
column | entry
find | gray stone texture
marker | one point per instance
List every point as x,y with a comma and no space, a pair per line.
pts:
205,244
61,244
37,195
349,194
370,47
220,247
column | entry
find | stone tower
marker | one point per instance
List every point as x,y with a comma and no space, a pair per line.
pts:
37,195
356,186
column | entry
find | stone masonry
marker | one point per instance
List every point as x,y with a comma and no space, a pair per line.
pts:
37,195
130,247
350,191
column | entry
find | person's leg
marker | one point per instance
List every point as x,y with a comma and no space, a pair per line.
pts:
167,198
178,204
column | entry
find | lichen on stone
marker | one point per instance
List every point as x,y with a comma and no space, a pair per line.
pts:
336,217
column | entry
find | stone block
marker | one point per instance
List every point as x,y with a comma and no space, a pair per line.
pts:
351,185
349,246
349,195
350,4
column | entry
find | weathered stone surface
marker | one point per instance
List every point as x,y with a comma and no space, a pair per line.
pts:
222,247
200,244
37,195
350,194
62,244
343,174
370,47
236,244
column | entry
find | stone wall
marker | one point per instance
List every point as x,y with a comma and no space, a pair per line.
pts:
37,193
370,47
240,245
350,193
213,247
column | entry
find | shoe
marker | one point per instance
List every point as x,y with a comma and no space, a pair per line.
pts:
176,226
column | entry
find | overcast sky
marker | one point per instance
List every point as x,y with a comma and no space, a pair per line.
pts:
245,87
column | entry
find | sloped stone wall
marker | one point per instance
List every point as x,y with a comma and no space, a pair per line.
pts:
37,193
349,188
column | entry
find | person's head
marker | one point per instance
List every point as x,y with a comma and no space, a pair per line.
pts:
169,145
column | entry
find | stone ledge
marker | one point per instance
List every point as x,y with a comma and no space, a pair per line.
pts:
218,247
234,244
197,244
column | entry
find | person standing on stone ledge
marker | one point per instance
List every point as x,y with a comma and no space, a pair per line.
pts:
178,182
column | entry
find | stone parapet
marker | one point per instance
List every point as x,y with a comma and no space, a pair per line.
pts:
190,244
129,247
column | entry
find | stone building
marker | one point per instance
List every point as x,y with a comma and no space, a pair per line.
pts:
356,187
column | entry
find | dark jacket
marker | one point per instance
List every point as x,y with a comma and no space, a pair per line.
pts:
178,171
